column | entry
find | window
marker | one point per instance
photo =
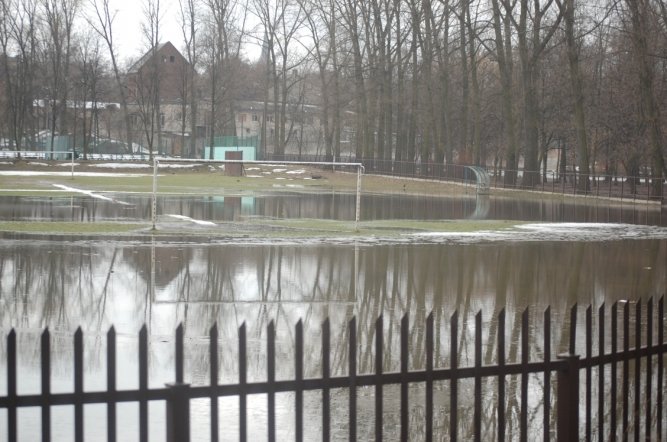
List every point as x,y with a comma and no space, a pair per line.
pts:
255,117
162,119
242,118
172,59
247,130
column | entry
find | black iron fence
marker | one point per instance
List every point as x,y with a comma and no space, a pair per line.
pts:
626,374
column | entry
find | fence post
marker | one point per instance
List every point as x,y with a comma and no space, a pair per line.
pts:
567,399
178,413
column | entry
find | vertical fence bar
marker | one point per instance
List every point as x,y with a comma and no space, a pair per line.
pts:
11,386
326,374
405,410
477,417
661,341
501,376
178,413
523,419
614,373
46,384
111,385
213,379
626,369
589,375
243,378
649,367
143,384
568,400
78,385
379,343
637,367
454,383
178,401
179,354
298,375
601,377
271,379
429,379
352,373
573,329
546,432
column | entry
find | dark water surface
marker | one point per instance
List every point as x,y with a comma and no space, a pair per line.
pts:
334,206
63,284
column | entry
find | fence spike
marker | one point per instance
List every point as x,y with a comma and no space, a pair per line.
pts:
298,375
271,378
573,329
352,373
11,386
243,373
326,374
379,359
46,382
179,356
78,385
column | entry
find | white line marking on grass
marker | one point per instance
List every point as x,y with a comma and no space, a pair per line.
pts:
196,221
90,193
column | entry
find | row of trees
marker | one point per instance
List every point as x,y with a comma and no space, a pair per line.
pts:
441,81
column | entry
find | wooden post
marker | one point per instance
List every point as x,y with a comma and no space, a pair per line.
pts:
567,400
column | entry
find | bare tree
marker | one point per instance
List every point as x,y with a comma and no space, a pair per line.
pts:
59,18
533,40
189,27
88,80
18,36
148,78
567,9
639,11
102,23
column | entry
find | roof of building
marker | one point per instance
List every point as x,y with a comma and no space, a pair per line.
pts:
137,65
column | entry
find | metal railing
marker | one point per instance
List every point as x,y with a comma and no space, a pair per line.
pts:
636,188
628,381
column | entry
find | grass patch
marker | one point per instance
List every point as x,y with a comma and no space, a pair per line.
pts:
58,227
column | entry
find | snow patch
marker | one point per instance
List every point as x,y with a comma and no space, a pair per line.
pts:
90,194
122,166
192,220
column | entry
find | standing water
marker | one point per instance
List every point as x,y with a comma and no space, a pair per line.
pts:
570,253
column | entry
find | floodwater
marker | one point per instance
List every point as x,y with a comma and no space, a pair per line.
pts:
335,206
575,253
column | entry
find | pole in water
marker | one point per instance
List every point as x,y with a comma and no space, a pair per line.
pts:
154,203
358,208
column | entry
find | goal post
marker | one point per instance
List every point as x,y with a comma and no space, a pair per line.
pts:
157,161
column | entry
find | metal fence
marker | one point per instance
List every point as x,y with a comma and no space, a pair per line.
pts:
628,381
636,188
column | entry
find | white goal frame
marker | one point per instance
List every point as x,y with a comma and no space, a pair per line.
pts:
157,161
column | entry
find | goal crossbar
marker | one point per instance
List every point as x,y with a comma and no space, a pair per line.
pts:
157,161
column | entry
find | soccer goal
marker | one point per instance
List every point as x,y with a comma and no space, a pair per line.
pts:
245,165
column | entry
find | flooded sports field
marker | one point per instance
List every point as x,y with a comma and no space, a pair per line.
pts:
556,254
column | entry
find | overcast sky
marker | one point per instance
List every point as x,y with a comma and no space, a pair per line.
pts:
128,38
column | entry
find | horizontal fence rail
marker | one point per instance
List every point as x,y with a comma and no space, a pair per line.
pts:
630,346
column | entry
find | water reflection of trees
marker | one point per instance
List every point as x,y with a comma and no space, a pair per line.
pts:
94,286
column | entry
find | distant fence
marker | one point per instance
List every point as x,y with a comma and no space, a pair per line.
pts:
629,382
636,188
